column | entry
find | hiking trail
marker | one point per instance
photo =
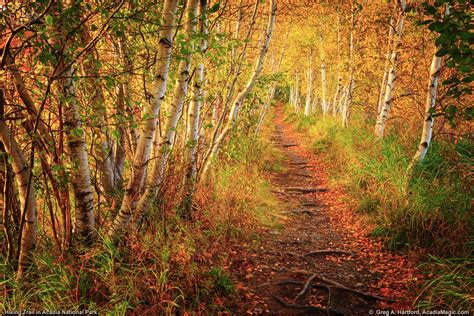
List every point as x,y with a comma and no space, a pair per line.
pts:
322,261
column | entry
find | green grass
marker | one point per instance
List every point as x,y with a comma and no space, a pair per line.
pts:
450,284
431,209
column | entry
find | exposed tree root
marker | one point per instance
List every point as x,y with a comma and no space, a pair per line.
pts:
337,285
305,287
340,286
306,190
293,242
329,252
298,256
303,175
304,211
298,163
310,204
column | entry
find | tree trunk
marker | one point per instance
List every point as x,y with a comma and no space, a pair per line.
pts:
324,104
387,102
350,90
167,141
215,145
194,119
103,146
307,108
80,172
339,79
26,190
149,121
429,106
387,64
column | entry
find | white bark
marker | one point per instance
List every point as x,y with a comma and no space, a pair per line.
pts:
295,99
339,79
336,96
349,94
80,172
342,103
103,147
387,64
215,145
167,141
324,104
346,114
307,108
194,117
26,190
271,94
429,105
387,102
149,121
236,70
261,118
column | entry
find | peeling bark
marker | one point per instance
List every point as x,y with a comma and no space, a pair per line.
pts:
26,190
149,122
215,145
387,102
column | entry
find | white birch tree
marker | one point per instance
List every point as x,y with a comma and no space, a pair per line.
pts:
149,120
387,101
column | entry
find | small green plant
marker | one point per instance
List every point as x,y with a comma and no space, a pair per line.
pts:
221,280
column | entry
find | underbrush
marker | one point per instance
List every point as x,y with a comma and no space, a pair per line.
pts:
431,209
170,266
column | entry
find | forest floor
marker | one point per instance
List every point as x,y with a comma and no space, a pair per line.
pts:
322,256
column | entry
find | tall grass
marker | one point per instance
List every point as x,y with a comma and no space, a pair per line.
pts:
432,208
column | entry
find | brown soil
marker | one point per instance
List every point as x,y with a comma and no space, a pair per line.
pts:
323,244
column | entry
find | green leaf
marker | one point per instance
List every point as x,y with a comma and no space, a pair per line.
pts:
214,8
49,20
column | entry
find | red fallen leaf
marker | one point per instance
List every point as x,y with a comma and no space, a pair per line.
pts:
219,301
240,286
384,291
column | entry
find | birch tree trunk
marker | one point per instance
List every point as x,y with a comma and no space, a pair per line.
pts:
297,94
261,118
349,95
149,121
336,95
80,172
120,153
234,72
215,145
307,108
26,190
342,103
271,94
167,141
387,101
339,79
295,98
324,104
103,148
194,118
429,106
387,64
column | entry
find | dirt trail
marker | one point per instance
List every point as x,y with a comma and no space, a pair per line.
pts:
291,274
